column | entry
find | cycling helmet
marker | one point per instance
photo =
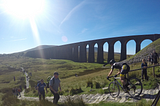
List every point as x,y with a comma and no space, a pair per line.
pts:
111,61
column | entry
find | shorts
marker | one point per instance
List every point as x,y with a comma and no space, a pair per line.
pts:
125,69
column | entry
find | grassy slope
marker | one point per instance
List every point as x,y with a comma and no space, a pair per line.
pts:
145,52
42,68
7,80
105,56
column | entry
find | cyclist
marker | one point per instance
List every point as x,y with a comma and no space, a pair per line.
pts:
123,70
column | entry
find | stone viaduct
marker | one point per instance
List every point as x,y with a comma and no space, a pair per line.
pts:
78,52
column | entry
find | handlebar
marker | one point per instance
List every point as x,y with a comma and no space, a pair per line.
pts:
114,77
110,77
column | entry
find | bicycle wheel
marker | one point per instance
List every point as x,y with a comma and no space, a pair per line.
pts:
135,87
114,89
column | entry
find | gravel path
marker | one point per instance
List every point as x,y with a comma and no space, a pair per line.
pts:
96,98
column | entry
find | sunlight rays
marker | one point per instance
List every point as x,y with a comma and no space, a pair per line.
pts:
26,10
23,8
34,30
36,35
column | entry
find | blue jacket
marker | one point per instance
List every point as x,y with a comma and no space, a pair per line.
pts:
142,65
41,87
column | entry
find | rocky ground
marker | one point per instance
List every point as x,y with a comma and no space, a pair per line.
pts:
96,98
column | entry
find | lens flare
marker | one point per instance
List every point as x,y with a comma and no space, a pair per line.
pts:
64,39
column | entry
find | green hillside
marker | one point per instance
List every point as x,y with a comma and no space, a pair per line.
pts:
87,72
145,52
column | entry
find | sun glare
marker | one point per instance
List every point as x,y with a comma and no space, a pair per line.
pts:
23,8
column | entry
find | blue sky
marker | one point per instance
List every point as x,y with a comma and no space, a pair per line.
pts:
68,21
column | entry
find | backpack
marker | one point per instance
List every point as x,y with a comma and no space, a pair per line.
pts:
48,80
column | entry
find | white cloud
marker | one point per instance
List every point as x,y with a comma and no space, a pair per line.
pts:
19,39
84,30
71,12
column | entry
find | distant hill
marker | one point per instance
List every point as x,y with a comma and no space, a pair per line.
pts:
32,49
40,47
145,52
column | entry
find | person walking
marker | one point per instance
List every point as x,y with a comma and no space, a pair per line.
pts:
144,69
19,92
54,83
14,92
40,87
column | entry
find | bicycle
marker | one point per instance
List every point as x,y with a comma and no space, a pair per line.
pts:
134,87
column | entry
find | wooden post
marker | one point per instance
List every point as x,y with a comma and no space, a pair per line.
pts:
153,69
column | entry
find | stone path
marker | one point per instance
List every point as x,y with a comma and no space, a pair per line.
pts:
96,98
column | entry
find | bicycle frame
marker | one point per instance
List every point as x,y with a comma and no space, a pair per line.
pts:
115,79
132,86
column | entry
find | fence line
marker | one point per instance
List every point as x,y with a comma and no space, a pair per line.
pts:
153,69
154,103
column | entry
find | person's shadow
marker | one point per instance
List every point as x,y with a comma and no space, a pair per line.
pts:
149,96
145,96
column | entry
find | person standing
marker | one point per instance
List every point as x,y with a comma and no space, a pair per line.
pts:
54,83
14,78
155,57
144,69
149,60
40,87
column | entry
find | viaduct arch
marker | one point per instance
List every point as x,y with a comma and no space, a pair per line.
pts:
77,51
